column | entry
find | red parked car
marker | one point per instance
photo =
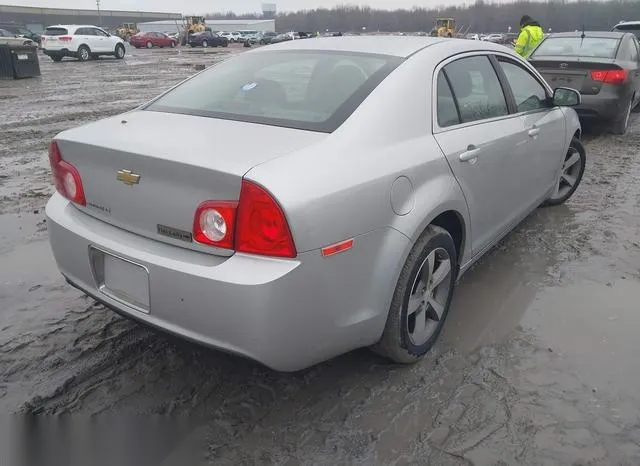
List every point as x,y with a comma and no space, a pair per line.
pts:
152,39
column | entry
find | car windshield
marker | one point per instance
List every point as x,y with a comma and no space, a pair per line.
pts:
597,47
310,90
55,32
635,28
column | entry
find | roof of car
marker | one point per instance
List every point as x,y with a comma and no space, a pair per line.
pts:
630,23
399,46
596,34
70,26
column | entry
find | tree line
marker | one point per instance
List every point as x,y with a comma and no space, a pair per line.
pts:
482,16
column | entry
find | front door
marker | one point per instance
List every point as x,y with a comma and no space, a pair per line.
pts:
544,125
484,144
102,42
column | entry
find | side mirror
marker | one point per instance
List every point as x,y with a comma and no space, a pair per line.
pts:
565,97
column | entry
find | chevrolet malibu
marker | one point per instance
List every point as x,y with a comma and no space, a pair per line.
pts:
313,223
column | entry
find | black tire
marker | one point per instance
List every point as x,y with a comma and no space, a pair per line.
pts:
120,52
225,44
56,58
396,343
84,53
205,44
636,109
576,146
620,126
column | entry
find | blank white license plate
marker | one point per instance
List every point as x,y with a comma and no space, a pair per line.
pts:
23,56
125,281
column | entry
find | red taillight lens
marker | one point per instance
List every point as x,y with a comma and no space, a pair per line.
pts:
214,224
610,76
65,176
262,227
65,38
255,225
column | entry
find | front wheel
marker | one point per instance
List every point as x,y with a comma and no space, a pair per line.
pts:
570,174
421,299
120,51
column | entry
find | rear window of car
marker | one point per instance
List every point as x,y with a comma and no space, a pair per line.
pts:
635,28
55,32
597,47
309,90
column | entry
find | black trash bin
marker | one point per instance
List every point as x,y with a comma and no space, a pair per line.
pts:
19,61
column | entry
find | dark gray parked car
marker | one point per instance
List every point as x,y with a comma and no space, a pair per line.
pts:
603,66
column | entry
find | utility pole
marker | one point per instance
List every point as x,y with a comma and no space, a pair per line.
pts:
99,16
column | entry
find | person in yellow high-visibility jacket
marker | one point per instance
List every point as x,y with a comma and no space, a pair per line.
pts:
531,34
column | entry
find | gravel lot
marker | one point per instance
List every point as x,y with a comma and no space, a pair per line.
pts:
537,365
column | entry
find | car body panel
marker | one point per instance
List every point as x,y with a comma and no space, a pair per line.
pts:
376,180
157,39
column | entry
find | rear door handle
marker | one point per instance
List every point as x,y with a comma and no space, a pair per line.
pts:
533,132
470,154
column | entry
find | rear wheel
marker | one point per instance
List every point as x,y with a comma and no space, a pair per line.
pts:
120,51
421,299
56,58
570,175
620,126
84,53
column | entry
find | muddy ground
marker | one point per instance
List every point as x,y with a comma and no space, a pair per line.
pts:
537,365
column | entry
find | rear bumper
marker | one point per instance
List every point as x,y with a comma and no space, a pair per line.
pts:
605,105
59,52
286,314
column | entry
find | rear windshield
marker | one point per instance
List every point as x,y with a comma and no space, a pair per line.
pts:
55,32
596,47
635,28
310,90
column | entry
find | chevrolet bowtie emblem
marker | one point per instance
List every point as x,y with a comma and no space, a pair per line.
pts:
127,177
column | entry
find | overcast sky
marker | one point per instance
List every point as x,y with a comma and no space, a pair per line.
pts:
204,6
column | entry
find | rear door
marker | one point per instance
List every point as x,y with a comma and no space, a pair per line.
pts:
544,124
484,144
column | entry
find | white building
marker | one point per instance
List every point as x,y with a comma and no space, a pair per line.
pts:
262,25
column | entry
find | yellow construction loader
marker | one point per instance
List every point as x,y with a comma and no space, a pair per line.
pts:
193,24
126,30
445,27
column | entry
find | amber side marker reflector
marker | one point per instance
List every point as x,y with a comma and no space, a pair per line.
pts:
337,248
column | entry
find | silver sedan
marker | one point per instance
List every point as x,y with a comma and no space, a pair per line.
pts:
305,199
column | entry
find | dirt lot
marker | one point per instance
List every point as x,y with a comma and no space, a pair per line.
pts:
538,363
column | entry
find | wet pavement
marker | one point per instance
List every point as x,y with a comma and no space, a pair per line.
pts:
537,364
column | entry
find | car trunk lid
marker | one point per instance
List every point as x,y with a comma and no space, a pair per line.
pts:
574,72
147,172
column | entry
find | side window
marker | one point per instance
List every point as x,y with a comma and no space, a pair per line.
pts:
634,50
98,32
447,111
528,92
476,89
81,32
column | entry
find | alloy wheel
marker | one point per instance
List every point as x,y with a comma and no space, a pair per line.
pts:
429,294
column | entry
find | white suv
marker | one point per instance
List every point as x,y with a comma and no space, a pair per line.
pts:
82,42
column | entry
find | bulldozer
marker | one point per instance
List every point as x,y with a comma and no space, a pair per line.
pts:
193,24
126,30
445,27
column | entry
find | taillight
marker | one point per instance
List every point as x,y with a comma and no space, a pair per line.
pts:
610,76
65,38
255,225
214,224
262,227
65,176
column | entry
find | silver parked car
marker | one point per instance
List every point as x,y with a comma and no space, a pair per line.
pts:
346,185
